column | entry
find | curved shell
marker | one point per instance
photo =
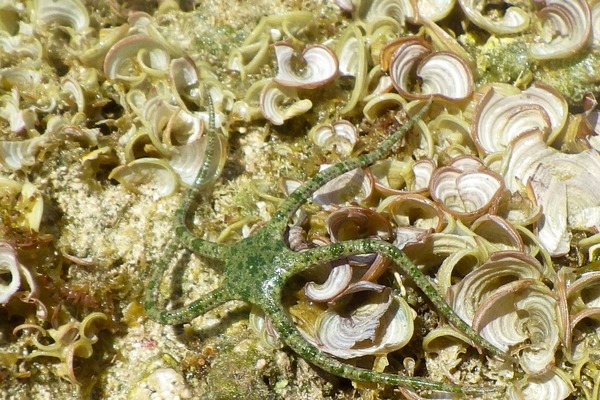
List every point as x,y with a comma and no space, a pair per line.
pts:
71,13
9,270
521,314
502,114
341,136
565,28
466,194
353,222
443,74
502,267
149,54
514,20
380,325
279,103
321,66
147,175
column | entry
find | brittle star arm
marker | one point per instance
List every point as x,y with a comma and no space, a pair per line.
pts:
200,246
291,337
185,313
295,200
336,251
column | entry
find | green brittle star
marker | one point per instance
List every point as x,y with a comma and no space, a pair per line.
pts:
257,268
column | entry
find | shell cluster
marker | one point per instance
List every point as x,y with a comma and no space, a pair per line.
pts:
495,194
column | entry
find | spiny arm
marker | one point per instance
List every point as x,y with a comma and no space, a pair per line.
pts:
189,203
319,255
303,193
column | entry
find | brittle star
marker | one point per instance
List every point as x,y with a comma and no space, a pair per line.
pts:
257,268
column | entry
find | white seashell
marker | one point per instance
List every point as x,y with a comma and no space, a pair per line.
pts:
71,13
399,10
521,314
149,176
354,185
501,268
564,29
514,20
19,120
503,114
321,66
280,103
443,73
466,194
20,155
565,182
149,54
498,232
341,136
373,328
9,270
553,384
338,280
434,10
189,158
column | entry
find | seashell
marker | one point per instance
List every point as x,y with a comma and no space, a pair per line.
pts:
570,192
150,56
553,384
9,270
71,13
551,194
380,325
513,20
341,136
18,155
189,158
584,293
501,268
521,314
338,280
434,10
319,66
497,231
149,176
182,127
451,133
248,109
434,248
391,176
442,74
565,27
413,210
184,79
372,10
260,324
280,103
502,114
353,222
466,194
19,120
355,185
382,103
379,32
